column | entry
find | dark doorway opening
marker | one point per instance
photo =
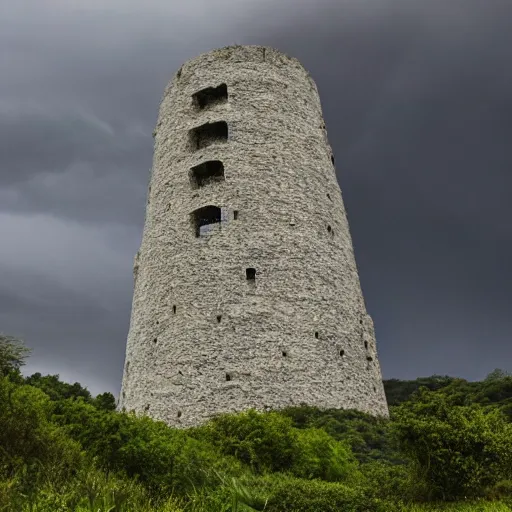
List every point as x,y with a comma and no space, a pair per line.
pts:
210,96
209,133
206,173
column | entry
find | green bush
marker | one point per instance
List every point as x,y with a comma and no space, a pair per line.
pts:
457,451
390,482
268,442
367,435
298,495
265,442
161,457
318,455
29,441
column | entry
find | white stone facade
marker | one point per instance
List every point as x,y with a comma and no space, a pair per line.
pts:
263,307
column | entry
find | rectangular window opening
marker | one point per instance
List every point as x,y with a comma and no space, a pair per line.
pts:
250,274
210,96
208,134
204,218
207,173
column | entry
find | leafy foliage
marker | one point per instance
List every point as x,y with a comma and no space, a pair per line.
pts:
13,354
367,435
457,451
61,449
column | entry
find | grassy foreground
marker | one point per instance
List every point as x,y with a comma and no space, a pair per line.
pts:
447,447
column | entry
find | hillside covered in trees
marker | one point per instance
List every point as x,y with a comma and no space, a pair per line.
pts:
447,446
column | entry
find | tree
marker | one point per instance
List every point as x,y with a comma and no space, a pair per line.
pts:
13,354
497,374
105,402
56,389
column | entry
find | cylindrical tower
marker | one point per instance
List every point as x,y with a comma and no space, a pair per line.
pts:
246,288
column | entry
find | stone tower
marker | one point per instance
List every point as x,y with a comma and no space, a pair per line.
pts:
246,289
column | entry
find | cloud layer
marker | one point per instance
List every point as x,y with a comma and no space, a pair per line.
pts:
417,98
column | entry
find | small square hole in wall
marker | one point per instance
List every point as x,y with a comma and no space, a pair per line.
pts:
219,318
179,414
250,274
228,377
332,159
316,335
284,353
342,353
155,340
366,345
174,309
369,359
329,229
235,215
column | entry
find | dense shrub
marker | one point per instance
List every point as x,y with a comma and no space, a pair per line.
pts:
266,442
299,495
160,457
27,436
366,435
318,455
457,451
34,452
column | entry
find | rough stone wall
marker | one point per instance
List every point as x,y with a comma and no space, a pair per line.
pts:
203,338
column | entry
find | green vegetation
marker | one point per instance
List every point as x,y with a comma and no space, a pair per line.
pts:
447,447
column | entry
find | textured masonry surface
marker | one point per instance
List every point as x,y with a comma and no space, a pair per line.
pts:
205,337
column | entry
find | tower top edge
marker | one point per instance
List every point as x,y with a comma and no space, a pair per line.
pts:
239,54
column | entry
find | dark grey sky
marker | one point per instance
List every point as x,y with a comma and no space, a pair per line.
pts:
418,103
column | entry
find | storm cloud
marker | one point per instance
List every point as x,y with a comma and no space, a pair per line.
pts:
417,98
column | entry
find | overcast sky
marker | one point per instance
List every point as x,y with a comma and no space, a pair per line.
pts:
417,98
